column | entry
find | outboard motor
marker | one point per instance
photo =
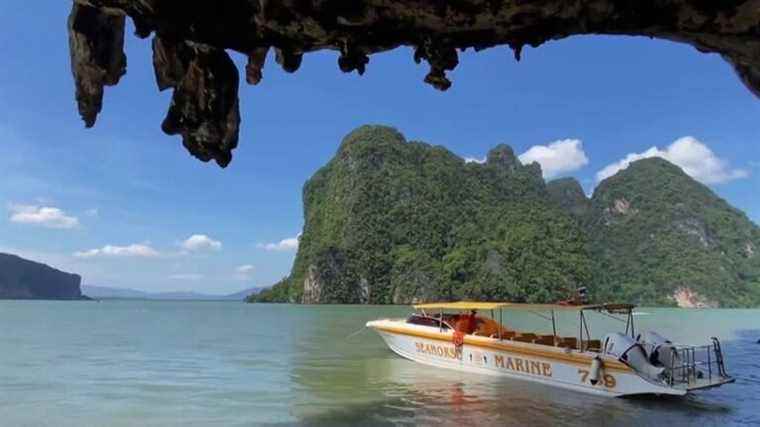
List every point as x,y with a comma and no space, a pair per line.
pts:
653,338
660,350
625,349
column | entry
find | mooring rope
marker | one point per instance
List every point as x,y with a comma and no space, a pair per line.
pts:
364,328
749,380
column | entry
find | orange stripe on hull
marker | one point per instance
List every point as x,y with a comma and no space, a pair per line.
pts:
576,359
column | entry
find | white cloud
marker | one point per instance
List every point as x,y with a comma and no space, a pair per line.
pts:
474,160
688,153
562,156
189,276
245,269
289,244
138,250
201,242
244,272
43,216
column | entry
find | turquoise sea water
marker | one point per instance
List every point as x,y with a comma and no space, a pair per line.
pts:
124,363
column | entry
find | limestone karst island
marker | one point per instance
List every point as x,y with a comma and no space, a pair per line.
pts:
394,222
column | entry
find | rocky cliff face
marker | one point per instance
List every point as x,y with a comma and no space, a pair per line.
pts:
657,235
391,221
24,279
191,36
568,193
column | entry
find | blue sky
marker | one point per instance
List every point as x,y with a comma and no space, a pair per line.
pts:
120,203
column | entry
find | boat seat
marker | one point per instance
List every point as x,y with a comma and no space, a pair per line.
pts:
544,340
567,342
593,345
507,335
524,338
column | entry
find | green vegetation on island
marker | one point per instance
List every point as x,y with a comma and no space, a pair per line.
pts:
276,293
657,235
390,221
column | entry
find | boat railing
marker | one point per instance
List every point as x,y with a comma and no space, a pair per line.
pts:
697,366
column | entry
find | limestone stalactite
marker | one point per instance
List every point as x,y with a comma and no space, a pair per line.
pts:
436,30
204,107
96,42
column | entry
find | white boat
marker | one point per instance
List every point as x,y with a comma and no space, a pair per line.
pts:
620,364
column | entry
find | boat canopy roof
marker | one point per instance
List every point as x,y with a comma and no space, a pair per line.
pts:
474,305
462,305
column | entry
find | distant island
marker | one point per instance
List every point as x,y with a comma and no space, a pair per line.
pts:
107,292
394,222
24,279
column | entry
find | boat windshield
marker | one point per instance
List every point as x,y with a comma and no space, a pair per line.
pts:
469,322
423,320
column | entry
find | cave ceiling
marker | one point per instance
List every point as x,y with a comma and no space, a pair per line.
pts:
191,40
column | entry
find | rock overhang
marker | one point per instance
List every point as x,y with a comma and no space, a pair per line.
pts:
191,39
